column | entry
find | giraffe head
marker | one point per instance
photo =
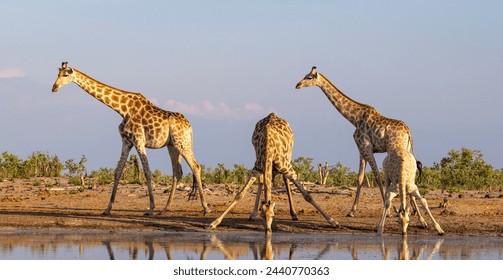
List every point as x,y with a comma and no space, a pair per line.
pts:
65,76
309,80
403,218
267,214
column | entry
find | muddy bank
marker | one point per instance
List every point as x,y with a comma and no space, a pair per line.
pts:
29,204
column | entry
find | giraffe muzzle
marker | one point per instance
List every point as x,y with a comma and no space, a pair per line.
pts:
55,88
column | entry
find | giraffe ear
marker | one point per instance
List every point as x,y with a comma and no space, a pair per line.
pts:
69,71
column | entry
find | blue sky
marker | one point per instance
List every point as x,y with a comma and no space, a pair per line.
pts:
436,65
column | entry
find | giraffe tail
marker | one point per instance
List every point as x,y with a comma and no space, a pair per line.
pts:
418,163
420,169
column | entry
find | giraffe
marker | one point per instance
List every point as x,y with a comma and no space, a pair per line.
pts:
374,132
399,175
143,126
273,142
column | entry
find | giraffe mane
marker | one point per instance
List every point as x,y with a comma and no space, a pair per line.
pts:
349,98
114,88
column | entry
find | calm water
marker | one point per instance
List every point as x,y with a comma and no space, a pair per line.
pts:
33,245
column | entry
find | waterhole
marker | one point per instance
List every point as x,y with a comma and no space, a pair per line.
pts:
68,245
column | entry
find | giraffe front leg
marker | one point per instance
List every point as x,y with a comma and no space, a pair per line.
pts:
126,148
404,209
359,183
148,176
293,213
238,197
387,206
369,156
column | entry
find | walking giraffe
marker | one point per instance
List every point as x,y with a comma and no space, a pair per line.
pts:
273,143
374,133
399,175
143,126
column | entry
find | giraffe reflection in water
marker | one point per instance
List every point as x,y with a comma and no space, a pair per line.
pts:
245,246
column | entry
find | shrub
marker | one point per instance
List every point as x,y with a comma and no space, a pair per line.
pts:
103,176
465,169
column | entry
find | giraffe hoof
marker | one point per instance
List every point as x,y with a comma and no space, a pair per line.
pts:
105,213
148,213
295,218
350,214
206,212
211,226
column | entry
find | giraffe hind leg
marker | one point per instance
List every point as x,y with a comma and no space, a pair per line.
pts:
176,159
424,203
193,190
290,174
196,171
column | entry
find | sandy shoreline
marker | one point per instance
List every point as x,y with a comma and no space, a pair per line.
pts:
24,206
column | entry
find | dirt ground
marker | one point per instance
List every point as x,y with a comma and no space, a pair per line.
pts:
52,204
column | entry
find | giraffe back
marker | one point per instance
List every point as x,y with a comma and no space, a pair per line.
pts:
272,138
385,134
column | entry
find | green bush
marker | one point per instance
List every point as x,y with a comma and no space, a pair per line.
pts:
103,176
459,170
465,169
304,169
340,175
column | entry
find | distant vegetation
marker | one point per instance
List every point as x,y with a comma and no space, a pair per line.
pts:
459,170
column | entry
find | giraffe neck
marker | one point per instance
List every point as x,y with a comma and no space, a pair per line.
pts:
110,96
351,110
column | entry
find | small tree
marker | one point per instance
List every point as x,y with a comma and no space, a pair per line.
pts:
240,174
10,166
103,176
465,169
341,175
304,168
222,174
77,171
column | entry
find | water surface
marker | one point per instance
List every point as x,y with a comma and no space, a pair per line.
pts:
67,245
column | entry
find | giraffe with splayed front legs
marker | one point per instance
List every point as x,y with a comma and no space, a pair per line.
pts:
399,178
374,133
273,143
143,126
